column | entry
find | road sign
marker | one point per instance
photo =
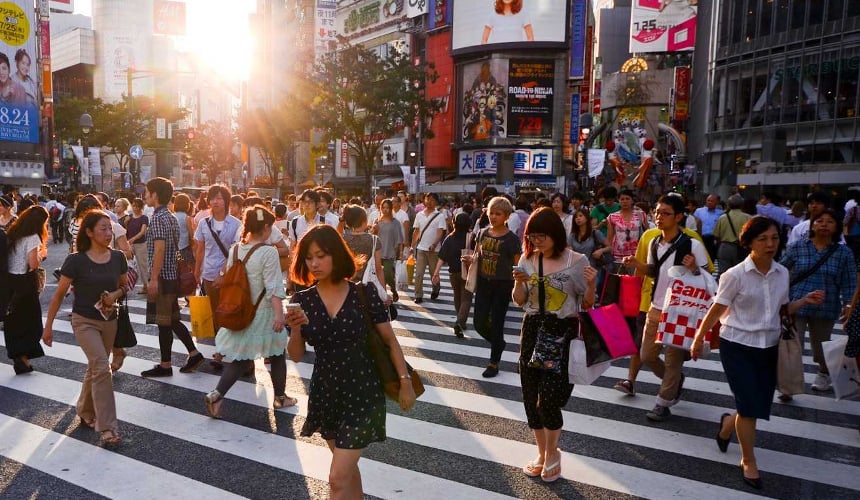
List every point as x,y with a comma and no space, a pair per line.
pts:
136,152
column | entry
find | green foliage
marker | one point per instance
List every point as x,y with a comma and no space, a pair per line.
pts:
364,99
212,148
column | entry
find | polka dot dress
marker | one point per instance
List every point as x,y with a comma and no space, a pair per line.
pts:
346,401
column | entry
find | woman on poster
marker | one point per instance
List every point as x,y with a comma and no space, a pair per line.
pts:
509,25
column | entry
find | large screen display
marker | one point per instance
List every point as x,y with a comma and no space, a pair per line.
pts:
19,72
489,24
663,25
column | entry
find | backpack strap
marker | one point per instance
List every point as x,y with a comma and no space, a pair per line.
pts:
245,261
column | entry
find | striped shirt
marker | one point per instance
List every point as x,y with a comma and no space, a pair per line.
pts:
837,277
753,300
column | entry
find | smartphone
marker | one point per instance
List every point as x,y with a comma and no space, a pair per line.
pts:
518,268
290,305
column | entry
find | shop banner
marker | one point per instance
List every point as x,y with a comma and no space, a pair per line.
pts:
325,32
681,103
526,161
663,25
596,162
577,39
530,94
19,94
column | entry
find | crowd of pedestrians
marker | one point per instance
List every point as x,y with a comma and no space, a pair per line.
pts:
548,254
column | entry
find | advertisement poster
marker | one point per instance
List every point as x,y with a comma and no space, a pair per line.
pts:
122,50
577,39
480,23
526,161
663,25
681,104
325,34
485,99
19,94
530,97
168,17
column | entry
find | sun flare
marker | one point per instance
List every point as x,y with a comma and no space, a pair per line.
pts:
218,34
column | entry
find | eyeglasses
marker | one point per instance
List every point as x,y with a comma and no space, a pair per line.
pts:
536,237
658,213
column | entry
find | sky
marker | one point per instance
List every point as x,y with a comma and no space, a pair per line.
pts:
206,28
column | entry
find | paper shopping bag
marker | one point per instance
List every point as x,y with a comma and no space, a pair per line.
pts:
606,334
844,373
578,371
687,301
202,325
789,373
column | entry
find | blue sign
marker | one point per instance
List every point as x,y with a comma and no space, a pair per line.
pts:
574,118
136,152
577,39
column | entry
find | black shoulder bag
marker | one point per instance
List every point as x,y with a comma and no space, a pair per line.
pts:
654,269
552,331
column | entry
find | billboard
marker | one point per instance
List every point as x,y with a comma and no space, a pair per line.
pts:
485,100
63,6
168,18
489,25
19,70
663,25
530,96
526,161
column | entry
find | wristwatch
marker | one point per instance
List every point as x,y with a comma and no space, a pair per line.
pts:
221,273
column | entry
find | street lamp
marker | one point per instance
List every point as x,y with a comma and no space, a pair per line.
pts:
86,124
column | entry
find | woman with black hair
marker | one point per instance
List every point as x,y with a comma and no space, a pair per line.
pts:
450,253
27,240
561,208
98,274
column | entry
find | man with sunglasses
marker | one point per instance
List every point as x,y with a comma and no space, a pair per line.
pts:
672,248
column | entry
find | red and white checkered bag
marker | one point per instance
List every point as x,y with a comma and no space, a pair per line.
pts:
687,301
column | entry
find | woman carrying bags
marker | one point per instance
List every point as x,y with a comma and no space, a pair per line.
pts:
552,284
346,404
98,274
748,303
265,337
26,238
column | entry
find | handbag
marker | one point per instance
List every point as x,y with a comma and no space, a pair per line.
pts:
578,371
789,368
187,282
132,273
41,277
548,352
606,334
400,280
844,373
202,319
380,354
125,336
687,301
370,277
472,273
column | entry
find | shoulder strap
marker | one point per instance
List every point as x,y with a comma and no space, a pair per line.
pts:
659,262
427,225
728,218
365,304
217,239
541,288
250,252
809,272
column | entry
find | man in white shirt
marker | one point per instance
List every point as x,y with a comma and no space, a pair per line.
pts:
400,215
427,236
374,212
56,217
671,248
298,226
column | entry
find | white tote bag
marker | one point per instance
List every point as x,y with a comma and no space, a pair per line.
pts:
844,373
578,371
370,277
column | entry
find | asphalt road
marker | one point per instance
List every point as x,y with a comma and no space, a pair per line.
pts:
466,438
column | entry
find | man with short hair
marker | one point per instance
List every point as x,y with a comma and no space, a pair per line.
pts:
672,248
105,201
214,236
326,216
429,229
308,203
162,308
400,216
375,211
706,219
767,206
601,212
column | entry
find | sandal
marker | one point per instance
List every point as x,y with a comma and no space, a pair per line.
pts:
213,403
284,402
625,386
110,438
118,358
548,478
89,424
533,468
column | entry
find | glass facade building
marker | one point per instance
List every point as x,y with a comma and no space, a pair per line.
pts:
784,105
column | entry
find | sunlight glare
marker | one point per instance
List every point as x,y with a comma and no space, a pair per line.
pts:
218,33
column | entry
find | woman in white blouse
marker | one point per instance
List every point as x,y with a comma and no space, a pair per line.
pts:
27,238
747,303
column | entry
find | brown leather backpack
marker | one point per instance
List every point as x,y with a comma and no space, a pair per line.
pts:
235,310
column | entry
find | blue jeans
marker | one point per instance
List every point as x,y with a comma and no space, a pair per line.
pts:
492,298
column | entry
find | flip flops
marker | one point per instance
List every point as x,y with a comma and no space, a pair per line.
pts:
548,477
533,469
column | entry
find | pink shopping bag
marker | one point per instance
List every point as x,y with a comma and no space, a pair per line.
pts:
613,329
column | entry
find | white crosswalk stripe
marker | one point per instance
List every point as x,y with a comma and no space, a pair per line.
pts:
466,438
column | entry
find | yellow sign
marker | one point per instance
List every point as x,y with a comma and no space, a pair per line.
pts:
14,24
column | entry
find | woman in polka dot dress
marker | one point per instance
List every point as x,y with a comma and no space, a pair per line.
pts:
346,404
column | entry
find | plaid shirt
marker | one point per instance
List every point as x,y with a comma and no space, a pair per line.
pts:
837,277
164,226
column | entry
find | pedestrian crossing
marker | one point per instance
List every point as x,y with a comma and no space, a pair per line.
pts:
466,438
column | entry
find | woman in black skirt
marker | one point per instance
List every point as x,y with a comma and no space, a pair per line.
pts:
749,339
26,238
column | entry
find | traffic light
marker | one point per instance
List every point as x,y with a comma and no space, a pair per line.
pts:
189,138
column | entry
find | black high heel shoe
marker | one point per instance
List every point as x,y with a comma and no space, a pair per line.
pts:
753,482
723,444
20,367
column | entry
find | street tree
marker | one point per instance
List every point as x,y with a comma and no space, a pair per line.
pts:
364,99
276,133
212,149
67,115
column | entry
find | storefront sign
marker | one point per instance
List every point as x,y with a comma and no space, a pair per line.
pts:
526,161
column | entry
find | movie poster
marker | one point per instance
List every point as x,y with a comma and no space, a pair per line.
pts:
485,99
19,90
530,98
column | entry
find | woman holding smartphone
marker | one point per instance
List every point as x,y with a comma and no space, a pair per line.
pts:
346,404
265,336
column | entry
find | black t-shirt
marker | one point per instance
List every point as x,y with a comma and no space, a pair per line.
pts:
91,279
450,251
497,255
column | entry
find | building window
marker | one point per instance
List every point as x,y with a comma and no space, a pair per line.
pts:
764,18
798,14
834,9
781,15
853,9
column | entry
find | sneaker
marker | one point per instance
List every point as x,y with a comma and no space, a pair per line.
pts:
192,363
458,331
491,371
625,386
659,413
822,382
419,300
157,371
